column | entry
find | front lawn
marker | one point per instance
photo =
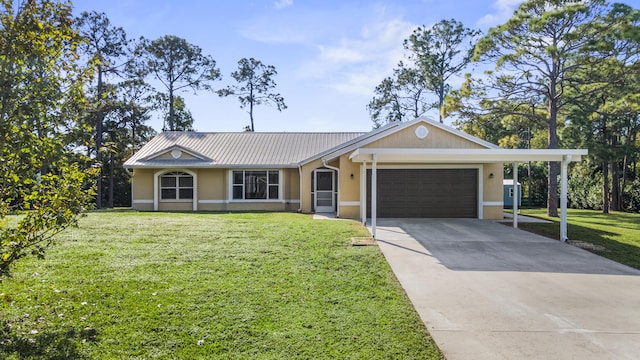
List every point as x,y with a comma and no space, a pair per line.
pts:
188,286
617,233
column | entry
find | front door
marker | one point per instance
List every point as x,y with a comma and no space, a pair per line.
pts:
324,201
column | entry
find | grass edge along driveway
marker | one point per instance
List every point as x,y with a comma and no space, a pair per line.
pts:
186,285
615,236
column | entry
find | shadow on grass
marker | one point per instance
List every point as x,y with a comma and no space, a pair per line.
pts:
614,250
57,344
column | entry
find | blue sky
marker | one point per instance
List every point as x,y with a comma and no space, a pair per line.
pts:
329,55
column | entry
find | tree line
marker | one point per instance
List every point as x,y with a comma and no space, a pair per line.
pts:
76,95
135,78
557,74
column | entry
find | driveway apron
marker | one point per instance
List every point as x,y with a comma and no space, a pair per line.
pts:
488,291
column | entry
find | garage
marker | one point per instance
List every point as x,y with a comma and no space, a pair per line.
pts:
425,193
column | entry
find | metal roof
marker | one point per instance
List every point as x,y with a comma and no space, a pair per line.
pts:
239,149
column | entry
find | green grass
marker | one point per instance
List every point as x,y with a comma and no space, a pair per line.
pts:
200,286
617,232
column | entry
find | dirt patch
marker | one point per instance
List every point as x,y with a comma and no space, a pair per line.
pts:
586,245
363,241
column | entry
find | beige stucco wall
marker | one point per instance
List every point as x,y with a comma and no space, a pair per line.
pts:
213,184
291,184
307,173
142,187
437,138
493,191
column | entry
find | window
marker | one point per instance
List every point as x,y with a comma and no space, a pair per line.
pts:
256,185
176,186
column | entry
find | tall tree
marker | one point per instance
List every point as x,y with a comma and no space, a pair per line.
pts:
41,93
126,133
106,47
255,86
540,53
434,55
178,66
440,52
182,117
400,97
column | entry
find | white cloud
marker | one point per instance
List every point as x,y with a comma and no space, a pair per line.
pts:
355,65
281,4
503,11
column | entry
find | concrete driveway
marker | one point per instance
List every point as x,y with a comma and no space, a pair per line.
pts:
488,291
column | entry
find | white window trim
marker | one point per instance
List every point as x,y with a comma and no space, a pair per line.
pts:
177,187
280,187
156,188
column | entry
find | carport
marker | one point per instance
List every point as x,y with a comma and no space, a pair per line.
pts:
372,158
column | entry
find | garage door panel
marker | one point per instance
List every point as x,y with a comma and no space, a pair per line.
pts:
451,193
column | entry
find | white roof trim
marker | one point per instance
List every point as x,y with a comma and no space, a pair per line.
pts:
349,145
176,147
466,155
457,132
391,129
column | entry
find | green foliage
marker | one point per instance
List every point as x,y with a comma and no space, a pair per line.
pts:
41,94
400,97
210,286
255,86
585,189
437,54
177,65
549,56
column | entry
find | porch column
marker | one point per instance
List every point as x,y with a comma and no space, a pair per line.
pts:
374,194
515,195
363,193
563,198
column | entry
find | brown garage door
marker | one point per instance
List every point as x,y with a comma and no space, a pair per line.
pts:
440,193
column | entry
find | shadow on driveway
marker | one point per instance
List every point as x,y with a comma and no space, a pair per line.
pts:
482,245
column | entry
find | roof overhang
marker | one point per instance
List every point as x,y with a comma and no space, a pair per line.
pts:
205,165
465,155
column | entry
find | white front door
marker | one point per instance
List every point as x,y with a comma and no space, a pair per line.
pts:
324,199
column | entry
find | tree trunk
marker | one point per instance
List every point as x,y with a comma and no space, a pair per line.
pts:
552,181
251,108
529,192
605,187
615,186
111,181
441,102
172,125
98,140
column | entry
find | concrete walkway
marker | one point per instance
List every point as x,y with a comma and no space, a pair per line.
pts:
488,291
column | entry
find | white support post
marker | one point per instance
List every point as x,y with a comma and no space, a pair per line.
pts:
515,195
374,194
363,193
563,198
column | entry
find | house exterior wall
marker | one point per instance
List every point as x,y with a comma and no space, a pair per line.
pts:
307,174
437,138
406,138
142,189
213,192
349,188
213,184
492,192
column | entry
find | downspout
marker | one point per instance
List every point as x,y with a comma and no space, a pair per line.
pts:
324,162
300,189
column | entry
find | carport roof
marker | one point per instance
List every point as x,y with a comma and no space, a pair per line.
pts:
465,155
